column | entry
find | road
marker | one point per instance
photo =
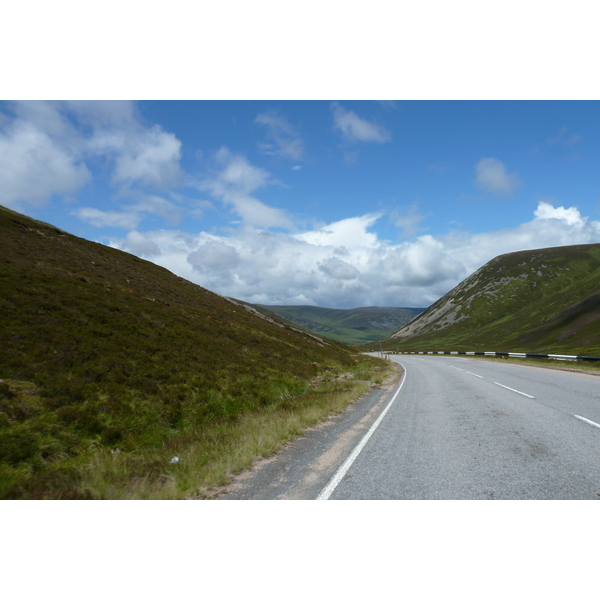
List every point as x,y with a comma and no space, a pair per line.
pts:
473,429
452,429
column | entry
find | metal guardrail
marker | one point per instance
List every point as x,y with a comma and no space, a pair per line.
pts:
507,354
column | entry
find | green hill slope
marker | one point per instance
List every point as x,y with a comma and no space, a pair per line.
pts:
349,326
535,301
111,363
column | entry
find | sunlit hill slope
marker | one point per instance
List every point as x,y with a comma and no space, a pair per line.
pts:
533,301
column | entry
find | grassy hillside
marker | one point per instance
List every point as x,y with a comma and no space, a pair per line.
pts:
536,301
111,366
350,326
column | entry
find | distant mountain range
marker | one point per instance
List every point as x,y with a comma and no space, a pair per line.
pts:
532,301
349,326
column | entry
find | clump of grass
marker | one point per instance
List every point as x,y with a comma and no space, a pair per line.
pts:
207,456
199,463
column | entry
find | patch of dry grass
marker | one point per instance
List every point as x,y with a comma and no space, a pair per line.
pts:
198,464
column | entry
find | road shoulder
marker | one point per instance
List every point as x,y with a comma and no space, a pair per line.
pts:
301,469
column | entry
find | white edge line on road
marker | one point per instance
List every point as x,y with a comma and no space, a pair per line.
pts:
335,480
475,374
513,390
588,421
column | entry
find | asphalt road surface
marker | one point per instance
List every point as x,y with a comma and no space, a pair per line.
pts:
472,429
452,429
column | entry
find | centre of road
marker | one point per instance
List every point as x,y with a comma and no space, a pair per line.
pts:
336,479
513,390
593,423
500,384
475,374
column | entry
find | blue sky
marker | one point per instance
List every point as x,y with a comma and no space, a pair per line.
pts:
334,203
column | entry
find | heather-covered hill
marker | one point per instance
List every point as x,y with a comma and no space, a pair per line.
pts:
532,301
107,359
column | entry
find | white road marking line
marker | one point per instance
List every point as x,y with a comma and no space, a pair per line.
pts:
469,372
513,390
335,480
588,421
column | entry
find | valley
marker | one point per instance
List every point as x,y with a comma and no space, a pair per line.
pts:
352,326
119,379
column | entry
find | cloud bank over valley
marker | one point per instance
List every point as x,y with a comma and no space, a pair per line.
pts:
333,204
344,264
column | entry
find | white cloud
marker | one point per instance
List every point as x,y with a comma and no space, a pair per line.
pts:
130,216
348,233
340,264
149,157
422,263
215,257
33,167
45,117
356,129
407,219
550,227
61,119
141,245
571,216
233,181
337,268
344,264
48,148
109,218
158,206
493,177
563,138
237,174
152,159
101,114
285,140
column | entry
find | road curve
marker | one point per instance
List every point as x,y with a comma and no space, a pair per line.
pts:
471,429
